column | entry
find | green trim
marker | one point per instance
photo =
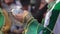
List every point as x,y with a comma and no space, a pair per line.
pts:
29,21
34,27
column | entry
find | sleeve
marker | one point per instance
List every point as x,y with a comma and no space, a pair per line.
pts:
7,25
27,16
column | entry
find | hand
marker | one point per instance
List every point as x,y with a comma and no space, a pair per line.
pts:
19,17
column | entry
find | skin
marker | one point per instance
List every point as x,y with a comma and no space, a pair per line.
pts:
8,2
43,3
20,17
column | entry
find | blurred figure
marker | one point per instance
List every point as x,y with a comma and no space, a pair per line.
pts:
31,23
9,5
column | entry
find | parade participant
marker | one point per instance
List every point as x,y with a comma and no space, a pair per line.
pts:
49,26
5,22
9,5
52,19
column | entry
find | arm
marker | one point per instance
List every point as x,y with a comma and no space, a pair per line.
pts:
25,16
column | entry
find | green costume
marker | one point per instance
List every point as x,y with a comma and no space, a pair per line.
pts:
1,20
32,25
52,18
5,22
48,24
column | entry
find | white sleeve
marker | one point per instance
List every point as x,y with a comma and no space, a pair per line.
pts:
47,18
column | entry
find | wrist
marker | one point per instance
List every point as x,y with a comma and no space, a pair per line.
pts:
28,17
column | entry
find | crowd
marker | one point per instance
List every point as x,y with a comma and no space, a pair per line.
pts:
29,16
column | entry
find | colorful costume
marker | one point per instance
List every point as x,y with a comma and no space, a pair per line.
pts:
5,23
52,19
32,25
50,25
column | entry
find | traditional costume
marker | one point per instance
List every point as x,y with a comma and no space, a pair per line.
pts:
5,23
50,25
32,26
52,19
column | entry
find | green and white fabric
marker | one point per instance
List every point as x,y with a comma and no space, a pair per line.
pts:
52,20
49,13
33,27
